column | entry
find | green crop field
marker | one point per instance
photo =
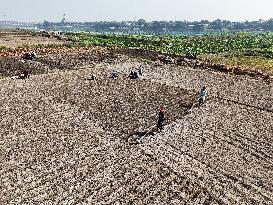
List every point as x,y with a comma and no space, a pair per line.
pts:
232,49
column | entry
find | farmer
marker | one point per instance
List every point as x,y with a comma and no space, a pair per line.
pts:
25,74
33,54
29,55
131,75
161,119
92,77
202,95
114,74
134,75
140,70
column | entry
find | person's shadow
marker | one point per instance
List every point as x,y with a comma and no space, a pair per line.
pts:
135,136
141,134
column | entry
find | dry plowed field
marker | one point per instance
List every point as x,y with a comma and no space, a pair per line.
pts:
66,140
12,38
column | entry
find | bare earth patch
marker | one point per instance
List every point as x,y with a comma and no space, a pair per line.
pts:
15,38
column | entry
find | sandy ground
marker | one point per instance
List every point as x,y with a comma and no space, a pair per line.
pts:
64,140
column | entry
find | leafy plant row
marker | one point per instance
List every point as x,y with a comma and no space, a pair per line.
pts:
260,44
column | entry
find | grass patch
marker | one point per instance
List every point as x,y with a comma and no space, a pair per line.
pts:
255,62
2,47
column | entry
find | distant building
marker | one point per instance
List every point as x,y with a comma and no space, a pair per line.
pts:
63,21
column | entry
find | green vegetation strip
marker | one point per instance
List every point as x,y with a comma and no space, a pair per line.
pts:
236,49
232,43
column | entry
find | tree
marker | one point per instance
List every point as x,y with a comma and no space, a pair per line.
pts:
46,24
217,25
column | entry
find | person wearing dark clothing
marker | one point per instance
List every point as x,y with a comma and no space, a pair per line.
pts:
131,76
202,95
140,70
161,119
134,75
24,74
114,74
29,55
92,77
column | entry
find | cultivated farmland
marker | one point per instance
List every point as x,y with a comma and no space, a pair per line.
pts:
67,140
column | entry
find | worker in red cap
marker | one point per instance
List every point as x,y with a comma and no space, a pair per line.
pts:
161,119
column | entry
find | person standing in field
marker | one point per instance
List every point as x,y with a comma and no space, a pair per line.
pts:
140,70
114,74
161,119
202,95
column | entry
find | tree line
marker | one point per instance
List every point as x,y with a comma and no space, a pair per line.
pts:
160,27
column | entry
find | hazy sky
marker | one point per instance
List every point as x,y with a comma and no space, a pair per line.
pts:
97,10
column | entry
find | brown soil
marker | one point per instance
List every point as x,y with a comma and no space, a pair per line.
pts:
64,139
17,37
